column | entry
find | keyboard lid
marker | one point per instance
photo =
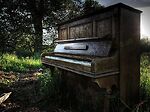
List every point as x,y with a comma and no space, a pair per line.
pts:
96,48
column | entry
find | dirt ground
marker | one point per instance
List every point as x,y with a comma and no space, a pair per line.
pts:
24,97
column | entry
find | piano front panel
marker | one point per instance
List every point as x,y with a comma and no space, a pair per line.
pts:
63,34
104,28
80,31
94,26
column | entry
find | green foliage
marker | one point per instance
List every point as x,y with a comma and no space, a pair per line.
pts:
144,103
10,62
145,44
47,48
28,18
50,86
14,22
23,23
25,44
145,74
90,6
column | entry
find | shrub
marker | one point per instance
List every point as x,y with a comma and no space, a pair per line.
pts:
50,87
144,104
145,45
145,75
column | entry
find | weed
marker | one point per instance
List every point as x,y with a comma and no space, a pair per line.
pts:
50,86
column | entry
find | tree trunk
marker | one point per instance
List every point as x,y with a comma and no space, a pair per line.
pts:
37,21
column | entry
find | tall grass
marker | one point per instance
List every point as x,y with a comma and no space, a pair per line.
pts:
10,62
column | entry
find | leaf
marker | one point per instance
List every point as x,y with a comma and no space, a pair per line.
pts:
4,97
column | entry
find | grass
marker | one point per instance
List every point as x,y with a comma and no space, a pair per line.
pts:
10,62
51,85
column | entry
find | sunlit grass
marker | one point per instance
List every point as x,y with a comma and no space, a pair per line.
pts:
10,62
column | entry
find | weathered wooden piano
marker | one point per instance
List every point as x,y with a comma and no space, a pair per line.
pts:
102,46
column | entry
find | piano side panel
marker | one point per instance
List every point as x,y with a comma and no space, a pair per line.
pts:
129,56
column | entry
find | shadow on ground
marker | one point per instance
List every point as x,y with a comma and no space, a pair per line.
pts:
25,96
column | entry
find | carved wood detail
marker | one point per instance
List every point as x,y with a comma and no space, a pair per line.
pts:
63,34
81,31
104,28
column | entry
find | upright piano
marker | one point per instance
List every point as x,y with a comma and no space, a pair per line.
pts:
103,46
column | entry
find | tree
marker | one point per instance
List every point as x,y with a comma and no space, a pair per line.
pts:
32,16
28,18
13,22
90,6
44,11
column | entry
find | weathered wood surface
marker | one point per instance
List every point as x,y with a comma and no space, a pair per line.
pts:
119,24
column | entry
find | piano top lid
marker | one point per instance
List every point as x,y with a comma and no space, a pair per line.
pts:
119,5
